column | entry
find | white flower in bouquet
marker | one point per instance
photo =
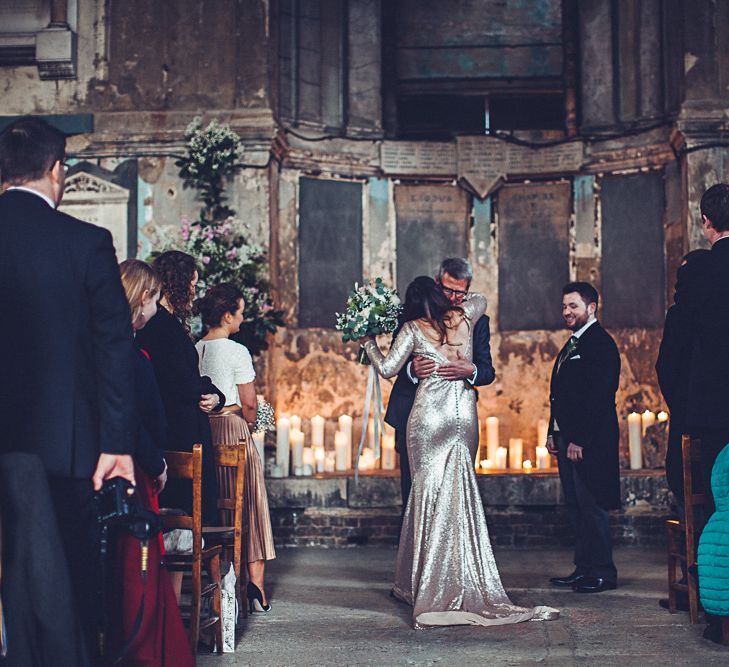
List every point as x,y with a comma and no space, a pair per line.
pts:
265,418
372,309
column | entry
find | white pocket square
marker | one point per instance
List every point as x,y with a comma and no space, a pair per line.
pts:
577,356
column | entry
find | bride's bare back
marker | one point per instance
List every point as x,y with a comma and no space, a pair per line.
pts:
458,333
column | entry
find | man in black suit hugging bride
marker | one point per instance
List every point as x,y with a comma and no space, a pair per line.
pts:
454,279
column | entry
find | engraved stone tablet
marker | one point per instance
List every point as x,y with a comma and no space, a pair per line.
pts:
100,202
418,158
483,162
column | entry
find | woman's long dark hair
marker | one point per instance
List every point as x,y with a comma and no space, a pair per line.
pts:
176,270
425,300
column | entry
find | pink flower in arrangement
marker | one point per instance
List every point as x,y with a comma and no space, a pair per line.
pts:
232,253
185,229
210,234
205,260
253,290
266,308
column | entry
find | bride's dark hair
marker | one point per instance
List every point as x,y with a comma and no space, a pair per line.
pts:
425,300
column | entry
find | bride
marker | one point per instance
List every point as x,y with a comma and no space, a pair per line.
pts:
445,566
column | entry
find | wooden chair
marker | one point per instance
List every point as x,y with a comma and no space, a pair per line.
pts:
690,530
184,465
230,465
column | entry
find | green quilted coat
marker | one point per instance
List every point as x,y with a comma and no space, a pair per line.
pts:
714,544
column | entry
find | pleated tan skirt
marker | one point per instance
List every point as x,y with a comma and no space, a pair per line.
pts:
228,428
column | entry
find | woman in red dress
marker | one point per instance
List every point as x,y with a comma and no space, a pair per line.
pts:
161,639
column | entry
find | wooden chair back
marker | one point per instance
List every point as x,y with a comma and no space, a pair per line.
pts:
188,465
694,499
230,467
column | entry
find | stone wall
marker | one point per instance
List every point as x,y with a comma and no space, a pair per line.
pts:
521,510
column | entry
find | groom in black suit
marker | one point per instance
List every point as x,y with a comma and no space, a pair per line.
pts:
67,381
454,278
584,435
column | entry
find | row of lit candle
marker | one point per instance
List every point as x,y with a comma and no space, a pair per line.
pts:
638,425
293,457
497,457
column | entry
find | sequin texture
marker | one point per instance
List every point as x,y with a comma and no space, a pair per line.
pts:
445,565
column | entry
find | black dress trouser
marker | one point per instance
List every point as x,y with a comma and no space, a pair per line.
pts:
591,523
38,594
406,481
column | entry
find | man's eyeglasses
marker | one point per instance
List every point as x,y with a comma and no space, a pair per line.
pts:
65,166
453,292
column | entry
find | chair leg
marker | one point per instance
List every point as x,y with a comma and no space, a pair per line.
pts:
195,606
213,568
693,597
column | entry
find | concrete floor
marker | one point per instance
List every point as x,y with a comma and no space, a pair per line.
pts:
331,607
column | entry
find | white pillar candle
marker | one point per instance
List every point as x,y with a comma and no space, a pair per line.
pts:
319,458
308,457
367,460
345,426
527,465
341,449
282,446
297,449
259,440
542,430
295,422
543,461
486,464
388,452
635,441
648,418
662,417
330,462
317,431
500,458
492,437
516,452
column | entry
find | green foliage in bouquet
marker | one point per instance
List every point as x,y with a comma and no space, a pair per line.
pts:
218,241
372,309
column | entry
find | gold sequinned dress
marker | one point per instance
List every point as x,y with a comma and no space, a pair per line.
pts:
445,565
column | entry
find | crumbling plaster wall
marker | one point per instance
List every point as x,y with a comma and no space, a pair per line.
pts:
313,372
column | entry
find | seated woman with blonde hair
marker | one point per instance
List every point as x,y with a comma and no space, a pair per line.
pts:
230,367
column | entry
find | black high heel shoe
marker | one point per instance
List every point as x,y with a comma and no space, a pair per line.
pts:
255,599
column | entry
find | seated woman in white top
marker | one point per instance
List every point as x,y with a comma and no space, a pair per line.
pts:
229,365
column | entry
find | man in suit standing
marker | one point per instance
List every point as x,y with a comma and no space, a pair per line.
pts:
454,278
584,435
67,390
708,394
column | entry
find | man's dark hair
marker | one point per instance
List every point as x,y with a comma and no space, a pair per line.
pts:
29,148
715,206
585,290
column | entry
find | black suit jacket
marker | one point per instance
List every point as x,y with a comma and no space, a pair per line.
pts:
402,395
175,363
673,364
151,428
66,340
582,399
708,393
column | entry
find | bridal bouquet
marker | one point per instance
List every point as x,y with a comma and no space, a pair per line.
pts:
372,309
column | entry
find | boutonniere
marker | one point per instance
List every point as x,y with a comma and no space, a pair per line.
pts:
571,346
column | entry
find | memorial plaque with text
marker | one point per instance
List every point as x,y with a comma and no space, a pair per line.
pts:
483,162
432,223
533,255
418,158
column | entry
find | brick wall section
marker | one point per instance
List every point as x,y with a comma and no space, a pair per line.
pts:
508,527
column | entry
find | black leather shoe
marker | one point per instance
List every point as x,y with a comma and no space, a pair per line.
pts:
594,585
567,581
